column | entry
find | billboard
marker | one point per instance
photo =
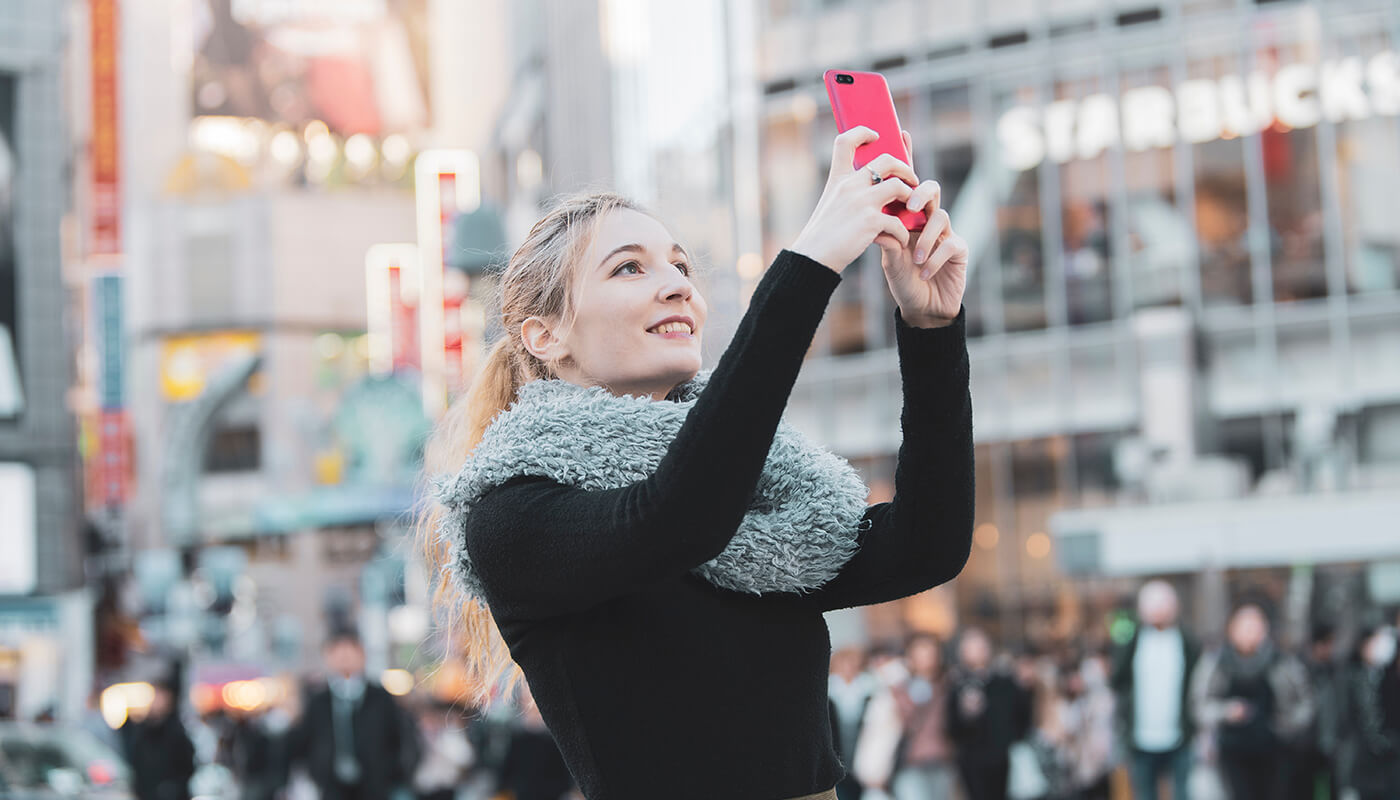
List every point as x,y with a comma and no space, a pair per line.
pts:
17,528
11,400
358,66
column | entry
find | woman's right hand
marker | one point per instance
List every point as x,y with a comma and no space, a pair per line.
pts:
849,214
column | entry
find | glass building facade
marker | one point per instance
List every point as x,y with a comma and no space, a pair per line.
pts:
1219,169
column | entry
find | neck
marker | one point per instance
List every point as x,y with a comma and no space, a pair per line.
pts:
655,390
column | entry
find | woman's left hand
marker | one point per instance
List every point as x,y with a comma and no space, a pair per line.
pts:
929,291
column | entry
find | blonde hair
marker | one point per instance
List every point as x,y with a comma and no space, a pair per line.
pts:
538,281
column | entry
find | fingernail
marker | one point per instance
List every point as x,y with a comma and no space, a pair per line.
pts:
925,274
919,257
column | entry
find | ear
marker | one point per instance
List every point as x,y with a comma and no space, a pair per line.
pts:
541,341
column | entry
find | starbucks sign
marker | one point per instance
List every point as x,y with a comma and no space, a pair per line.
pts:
1296,95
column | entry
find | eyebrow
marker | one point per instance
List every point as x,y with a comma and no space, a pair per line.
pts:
637,248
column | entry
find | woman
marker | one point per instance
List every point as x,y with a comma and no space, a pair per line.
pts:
656,572
926,753
1372,701
988,712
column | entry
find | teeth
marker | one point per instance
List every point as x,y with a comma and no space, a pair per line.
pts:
672,326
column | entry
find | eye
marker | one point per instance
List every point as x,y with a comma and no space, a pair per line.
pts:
684,267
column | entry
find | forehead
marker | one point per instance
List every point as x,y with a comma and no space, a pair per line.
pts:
625,226
1249,615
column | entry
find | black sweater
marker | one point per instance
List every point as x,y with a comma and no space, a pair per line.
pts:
654,682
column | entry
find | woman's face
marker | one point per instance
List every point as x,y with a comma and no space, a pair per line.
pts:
923,657
633,276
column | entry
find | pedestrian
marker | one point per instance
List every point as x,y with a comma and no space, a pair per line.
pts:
881,732
354,740
447,753
1151,681
159,749
1257,699
988,711
534,768
1091,713
638,539
925,759
1371,690
849,690
1315,758
253,755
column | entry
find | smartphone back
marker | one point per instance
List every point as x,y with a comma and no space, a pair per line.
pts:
863,98
866,101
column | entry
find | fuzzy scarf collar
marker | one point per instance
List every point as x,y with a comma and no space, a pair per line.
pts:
802,522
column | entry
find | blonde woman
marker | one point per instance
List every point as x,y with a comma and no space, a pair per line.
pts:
648,543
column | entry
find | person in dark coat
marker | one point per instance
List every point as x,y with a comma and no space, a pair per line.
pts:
987,712
1371,689
1314,759
159,750
1151,682
1258,700
353,739
254,757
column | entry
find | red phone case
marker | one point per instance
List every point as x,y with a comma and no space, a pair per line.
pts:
867,101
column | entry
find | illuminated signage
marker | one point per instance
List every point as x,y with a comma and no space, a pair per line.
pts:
17,528
105,232
391,282
1295,96
447,182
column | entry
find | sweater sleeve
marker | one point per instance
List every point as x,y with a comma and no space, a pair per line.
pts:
542,548
922,537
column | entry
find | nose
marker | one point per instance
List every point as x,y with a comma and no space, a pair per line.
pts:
675,285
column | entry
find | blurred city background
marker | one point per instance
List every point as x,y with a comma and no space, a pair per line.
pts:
247,253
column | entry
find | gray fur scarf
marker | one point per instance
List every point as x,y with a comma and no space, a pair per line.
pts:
802,522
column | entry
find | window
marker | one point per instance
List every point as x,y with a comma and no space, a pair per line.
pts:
1158,252
947,134
1019,235
1085,237
1222,212
1294,193
235,448
1368,169
11,401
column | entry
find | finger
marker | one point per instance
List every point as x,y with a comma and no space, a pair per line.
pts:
891,191
843,150
890,245
927,197
937,225
892,226
908,146
952,250
889,166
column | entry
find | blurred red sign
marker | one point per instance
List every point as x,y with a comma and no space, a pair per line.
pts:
105,217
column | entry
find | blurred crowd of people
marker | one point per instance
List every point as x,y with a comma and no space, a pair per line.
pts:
350,740
1156,716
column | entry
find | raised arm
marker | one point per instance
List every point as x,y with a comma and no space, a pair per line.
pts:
541,548
923,536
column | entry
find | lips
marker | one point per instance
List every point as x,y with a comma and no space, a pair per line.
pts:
686,321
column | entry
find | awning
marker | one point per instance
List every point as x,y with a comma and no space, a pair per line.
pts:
1250,532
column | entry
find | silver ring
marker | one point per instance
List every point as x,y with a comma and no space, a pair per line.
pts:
874,176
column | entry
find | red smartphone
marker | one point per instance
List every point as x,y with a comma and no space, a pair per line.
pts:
863,98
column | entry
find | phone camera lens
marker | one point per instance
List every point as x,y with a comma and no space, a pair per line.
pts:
845,79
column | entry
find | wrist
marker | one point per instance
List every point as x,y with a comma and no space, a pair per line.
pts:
925,320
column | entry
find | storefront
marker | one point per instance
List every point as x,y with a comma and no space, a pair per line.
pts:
1223,171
